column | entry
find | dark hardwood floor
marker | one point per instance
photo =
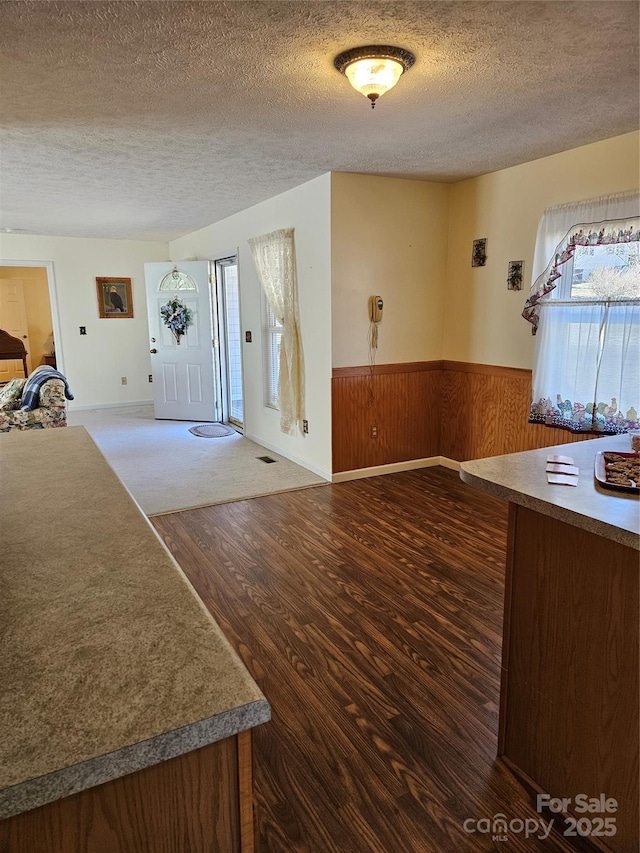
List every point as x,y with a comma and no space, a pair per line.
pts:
370,614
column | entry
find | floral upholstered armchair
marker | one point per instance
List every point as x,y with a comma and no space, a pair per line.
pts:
51,409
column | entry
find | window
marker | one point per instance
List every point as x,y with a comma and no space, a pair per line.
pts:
228,313
272,340
585,307
177,280
605,272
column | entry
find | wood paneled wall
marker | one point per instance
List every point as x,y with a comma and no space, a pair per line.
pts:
401,400
485,411
433,408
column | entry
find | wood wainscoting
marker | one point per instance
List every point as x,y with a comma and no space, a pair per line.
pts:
399,402
433,408
485,411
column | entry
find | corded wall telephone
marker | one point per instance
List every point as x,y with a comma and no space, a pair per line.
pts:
375,316
375,308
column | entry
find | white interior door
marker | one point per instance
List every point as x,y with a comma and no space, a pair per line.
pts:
13,319
183,374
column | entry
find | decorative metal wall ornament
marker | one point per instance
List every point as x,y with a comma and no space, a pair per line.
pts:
479,255
374,69
515,275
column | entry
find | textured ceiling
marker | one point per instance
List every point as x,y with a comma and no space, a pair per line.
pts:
149,120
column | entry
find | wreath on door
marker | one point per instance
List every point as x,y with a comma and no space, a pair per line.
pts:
177,317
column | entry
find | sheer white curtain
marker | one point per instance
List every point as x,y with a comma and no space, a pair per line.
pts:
587,366
275,259
586,373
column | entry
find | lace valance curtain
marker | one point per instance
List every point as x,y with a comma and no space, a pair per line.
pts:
275,260
607,220
586,374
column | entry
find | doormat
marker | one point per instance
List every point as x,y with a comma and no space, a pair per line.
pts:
212,430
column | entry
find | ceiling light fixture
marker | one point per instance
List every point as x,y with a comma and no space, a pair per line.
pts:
374,69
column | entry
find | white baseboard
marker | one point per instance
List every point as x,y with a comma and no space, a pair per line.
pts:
395,467
392,468
73,408
449,463
301,462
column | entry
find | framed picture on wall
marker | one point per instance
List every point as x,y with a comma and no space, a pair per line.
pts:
114,297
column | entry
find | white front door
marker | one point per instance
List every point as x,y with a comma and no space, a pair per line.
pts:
183,374
13,319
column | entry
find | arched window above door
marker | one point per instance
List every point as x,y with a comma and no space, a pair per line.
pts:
177,280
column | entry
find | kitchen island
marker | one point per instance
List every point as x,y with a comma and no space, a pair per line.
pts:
125,715
569,694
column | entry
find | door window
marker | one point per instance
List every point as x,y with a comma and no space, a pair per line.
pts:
231,338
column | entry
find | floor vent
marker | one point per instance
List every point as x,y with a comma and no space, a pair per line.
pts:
266,459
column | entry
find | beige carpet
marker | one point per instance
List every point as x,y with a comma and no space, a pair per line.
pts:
166,468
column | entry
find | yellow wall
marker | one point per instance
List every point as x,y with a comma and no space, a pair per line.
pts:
38,308
389,238
482,318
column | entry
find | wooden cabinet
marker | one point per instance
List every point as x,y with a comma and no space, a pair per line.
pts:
122,686
199,802
569,703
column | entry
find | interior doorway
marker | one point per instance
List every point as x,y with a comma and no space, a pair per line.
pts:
26,313
230,339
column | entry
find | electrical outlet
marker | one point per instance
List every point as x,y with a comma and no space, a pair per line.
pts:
83,330
151,377
374,432
123,380
248,337
305,427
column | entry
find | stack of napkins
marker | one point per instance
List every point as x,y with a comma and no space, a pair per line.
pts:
561,471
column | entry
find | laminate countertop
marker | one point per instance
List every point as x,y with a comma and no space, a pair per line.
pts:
109,662
522,479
